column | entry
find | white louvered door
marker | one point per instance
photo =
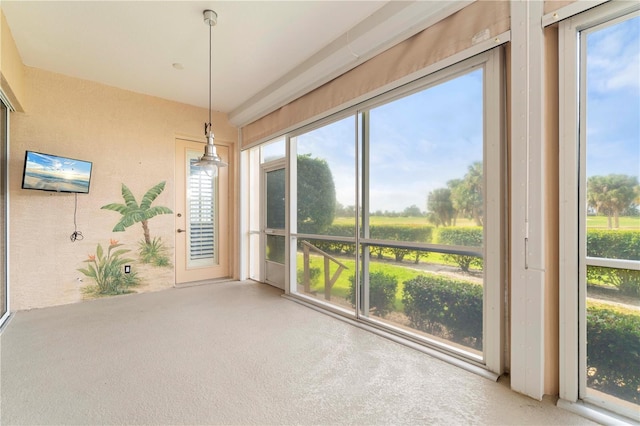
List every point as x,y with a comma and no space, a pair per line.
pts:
201,216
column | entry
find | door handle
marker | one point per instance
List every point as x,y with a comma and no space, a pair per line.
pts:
181,230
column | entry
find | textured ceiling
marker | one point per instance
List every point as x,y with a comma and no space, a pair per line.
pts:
133,45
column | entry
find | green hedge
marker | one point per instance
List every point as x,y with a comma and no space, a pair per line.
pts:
613,352
406,233
382,292
468,236
336,247
613,244
445,307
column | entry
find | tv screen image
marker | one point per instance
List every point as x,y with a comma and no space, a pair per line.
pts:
48,172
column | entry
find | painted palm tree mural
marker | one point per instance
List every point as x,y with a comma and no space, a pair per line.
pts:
151,250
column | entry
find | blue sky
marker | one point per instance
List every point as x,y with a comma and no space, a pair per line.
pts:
613,102
434,134
421,141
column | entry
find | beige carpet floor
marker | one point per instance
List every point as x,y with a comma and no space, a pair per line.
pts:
233,353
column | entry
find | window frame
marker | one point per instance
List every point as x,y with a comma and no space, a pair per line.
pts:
494,164
572,245
4,181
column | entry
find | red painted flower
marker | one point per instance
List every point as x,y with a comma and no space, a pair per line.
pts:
113,242
92,257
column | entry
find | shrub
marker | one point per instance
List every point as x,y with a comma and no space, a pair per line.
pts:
409,233
337,247
445,307
459,236
628,282
613,352
382,292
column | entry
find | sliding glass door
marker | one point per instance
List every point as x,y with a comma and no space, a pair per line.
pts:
424,215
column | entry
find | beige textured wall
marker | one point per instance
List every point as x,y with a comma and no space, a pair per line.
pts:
130,139
11,67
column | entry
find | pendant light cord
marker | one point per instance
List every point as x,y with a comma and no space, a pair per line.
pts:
209,127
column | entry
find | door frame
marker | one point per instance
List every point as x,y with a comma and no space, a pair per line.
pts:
279,164
228,259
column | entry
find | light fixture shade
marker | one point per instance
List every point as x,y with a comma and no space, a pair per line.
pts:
210,159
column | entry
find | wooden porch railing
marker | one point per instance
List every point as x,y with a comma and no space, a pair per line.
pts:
329,280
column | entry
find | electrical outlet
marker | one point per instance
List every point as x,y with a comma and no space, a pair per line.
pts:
127,269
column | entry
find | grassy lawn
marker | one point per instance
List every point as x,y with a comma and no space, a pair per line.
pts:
384,220
626,222
614,307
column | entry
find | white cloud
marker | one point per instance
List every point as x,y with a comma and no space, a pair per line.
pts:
613,57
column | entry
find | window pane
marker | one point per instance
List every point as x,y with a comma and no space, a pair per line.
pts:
202,216
275,199
436,135
612,215
275,248
272,151
426,184
326,176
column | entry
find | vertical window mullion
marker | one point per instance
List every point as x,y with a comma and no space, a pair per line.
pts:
363,294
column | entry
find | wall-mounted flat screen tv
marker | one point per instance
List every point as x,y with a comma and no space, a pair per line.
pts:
48,172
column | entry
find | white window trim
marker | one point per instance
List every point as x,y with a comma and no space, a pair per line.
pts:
569,10
527,201
572,248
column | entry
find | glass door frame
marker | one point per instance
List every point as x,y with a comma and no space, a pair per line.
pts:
572,160
265,168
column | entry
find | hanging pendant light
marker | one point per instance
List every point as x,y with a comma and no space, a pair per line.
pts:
210,160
